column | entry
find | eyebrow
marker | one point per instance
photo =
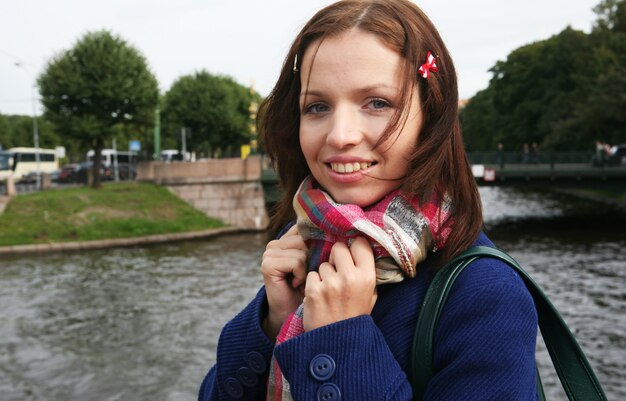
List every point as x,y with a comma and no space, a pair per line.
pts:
365,89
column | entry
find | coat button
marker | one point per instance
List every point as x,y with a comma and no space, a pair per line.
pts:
322,367
233,387
247,377
328,392
256,362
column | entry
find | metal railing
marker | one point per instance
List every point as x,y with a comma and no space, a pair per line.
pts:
548,157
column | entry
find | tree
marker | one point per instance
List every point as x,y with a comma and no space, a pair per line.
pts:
17,130
564,92
480,130
540,84
611,15
215,109
96,88
599,115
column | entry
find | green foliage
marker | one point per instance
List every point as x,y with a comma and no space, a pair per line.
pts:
611,15
563,93
98,88
214,109
82,214
479,122
6,133
17,130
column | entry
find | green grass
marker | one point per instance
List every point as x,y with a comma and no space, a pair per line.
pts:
119,210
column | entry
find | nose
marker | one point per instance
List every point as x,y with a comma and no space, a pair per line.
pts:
344,130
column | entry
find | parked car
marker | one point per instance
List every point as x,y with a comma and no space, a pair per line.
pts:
29,178
54,176
83,169
77,173
68,173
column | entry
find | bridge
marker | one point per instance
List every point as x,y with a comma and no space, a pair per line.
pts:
499,168
558,168
563,174
518,174
554,169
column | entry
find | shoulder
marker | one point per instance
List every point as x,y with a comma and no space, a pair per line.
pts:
486,334
488,277
488,307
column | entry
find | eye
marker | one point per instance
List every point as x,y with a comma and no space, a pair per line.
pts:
378,104
316,108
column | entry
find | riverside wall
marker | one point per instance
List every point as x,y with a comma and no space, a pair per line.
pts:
226,189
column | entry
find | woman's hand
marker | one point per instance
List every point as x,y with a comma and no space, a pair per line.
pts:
284,273
343,287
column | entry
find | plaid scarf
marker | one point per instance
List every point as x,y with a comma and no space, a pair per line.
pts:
400,231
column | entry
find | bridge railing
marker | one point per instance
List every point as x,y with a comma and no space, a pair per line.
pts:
549,157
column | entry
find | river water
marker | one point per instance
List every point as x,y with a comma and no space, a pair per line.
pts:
142,323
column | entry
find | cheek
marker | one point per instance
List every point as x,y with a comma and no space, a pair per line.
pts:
408,138
307,145
401,152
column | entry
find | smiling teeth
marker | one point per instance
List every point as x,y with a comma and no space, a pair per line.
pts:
349,167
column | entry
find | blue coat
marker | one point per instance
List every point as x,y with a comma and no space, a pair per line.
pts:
484,345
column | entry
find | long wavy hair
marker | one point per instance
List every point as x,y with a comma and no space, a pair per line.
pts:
439,164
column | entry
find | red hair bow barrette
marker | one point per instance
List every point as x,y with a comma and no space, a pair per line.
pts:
429,66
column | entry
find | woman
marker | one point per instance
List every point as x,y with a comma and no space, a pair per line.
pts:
363,130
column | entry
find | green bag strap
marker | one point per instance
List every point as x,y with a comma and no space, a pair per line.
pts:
575,373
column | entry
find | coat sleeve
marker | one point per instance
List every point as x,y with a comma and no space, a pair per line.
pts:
349,358
484,345
243,357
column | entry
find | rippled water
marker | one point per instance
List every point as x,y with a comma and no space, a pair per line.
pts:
142,323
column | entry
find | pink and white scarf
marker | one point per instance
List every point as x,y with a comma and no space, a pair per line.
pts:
400,231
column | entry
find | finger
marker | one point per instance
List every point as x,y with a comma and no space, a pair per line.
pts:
280,268
326,270
340,256
298,278
276,254
294,242
282,259
290,242
362,253
313,281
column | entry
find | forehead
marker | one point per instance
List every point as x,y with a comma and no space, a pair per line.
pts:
350,56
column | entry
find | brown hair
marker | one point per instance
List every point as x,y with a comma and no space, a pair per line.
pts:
439,164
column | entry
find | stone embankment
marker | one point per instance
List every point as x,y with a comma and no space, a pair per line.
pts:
225,189
114,243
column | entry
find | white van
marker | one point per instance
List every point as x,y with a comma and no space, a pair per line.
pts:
18,162
170,155
108,157
126,161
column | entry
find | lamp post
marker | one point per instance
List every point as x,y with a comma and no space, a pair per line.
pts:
35,129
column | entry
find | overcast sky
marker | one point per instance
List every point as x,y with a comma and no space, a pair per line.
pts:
247,39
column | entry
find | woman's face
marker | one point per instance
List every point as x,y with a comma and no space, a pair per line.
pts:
352,92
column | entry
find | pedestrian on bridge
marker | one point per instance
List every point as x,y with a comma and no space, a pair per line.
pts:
362,127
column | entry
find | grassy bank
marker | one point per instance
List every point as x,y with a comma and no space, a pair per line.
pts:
119,210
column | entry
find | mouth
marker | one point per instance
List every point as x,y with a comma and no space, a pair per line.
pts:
348,168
